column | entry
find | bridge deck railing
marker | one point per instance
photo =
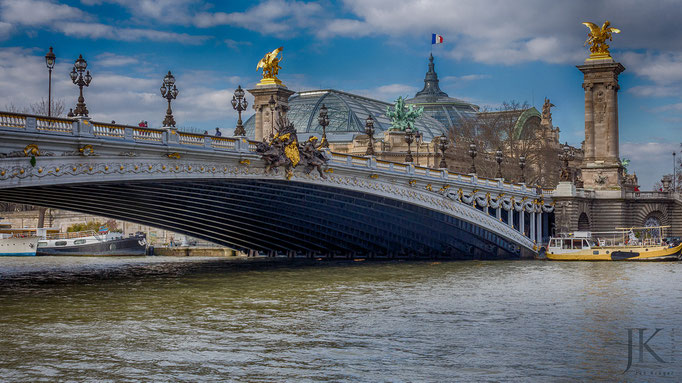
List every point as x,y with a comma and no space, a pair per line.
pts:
84,127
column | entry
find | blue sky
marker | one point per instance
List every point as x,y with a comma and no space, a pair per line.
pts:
494,51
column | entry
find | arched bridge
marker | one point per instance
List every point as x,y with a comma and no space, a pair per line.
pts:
216,189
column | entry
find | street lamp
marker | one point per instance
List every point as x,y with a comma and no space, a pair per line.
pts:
369,130
170,92
418,138
81,80
409,138
522,165
472,154
239,104
49,61
323,120
498,159
674,173
443,146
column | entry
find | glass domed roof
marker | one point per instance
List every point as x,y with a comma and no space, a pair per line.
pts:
437,104
347,114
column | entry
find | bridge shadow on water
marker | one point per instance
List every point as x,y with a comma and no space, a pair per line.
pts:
27,273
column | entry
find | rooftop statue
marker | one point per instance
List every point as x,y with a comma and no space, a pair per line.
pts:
546,110
403,117
597,39
270,64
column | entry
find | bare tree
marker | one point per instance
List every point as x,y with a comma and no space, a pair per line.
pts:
40,107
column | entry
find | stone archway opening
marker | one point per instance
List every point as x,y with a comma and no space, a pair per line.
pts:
654,219
583,222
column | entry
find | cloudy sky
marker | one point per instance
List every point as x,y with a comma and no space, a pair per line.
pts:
494,51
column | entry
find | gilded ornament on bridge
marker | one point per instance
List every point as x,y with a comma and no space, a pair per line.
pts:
270,65
597,39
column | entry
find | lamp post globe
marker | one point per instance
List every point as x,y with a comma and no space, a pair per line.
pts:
323,120
522,165
81,80
369,130
472,154
443,146
498,159
239,104
169,91
50,59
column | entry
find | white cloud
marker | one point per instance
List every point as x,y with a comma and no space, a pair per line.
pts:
236,44
670,107
277,17
37,13
659,67
5,30
169,11
654,91
388,93
99,31
467,77
114,60
650,160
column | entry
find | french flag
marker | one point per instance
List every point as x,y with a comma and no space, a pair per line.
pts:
436,39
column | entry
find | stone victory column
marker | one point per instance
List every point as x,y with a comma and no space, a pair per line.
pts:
601,167
271,97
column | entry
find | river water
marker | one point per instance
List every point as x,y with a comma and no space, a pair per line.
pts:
147,319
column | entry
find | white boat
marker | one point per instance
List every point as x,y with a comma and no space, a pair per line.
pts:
17,242
92,243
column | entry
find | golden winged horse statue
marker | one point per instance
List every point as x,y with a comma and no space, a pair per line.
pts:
597,38
270,64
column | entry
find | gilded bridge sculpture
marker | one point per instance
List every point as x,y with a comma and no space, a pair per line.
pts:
283,149
597,39
270,64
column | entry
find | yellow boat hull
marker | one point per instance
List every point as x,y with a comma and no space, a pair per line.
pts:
645,253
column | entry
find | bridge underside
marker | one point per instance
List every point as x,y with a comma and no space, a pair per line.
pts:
277,215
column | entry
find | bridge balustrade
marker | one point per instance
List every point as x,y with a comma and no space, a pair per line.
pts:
108,130
12,120
146,134
191,138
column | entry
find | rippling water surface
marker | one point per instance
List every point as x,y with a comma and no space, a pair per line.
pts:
150,320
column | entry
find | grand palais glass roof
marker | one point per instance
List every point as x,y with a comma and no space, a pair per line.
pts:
347,115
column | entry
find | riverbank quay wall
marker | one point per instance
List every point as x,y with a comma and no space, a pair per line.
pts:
580,209
217,189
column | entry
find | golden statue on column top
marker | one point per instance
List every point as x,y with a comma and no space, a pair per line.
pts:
270,64
597,38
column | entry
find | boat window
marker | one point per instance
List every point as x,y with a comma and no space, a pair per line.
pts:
566,244
60,243
577,243
79,242
586,243
42,243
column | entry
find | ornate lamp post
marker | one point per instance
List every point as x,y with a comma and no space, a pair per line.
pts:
369,130
418,139
443,146
522,165
472,154
81,80
239,104
49,61
323,120
409,138
498,159
674,172
170,92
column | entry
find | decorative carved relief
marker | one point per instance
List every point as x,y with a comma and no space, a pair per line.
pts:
600,106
